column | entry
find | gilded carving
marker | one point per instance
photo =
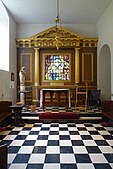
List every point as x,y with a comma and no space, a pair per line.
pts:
47,39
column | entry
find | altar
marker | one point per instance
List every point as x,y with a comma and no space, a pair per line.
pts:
43,92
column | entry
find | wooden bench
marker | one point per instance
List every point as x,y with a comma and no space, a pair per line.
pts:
107,112
3,156
5,112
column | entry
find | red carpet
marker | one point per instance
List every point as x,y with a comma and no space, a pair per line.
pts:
59,115
1,129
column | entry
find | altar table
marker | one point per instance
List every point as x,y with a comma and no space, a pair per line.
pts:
51,92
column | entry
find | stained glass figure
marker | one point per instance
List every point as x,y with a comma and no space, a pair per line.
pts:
57,67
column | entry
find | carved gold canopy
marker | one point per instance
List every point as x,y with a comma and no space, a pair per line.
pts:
47,38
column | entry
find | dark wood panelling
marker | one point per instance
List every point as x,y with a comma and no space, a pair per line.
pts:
88,65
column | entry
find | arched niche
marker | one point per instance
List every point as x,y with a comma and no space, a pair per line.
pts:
105,72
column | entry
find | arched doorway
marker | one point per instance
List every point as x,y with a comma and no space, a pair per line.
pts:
105,72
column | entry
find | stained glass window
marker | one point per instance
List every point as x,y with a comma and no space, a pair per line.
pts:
57,67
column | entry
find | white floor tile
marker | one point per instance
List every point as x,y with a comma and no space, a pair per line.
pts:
104,132
106,149
91,128
80,125
23,132
79,150
31,137
72,129
84,133
36,129
75,137
11,158
51,166
18,166
63,132
65,143
10,137
37,158
53,137
85,166
110,142
43,132
97,137
67,158
53,150
54,129
17,142
89,143
17,128
98,158
41,142
26,150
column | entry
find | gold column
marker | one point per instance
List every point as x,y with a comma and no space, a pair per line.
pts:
36,66
36,71
77,74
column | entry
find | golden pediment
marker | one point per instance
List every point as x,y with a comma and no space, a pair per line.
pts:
51,33
47,38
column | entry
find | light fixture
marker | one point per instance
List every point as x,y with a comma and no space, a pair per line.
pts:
58,41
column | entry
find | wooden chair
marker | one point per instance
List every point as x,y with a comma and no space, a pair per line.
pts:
94,99
81,96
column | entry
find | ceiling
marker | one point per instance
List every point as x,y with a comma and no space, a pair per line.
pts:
45,11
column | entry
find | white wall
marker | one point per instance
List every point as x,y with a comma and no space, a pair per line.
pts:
6,93
13,58
28,30
4,85
105,34
105,72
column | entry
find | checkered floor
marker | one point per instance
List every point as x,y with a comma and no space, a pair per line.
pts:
71,109
59,146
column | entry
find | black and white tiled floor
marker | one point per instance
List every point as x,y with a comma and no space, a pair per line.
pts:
59,146
70,109
92,115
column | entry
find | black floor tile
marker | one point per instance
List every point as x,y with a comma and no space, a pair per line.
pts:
54,133
82,158
34,133
86,137
68,166
101,142
102,166
52,158
77,143
34,166
109,157
66,149
20,137
21,158
64,137
93,149
39,149
53,142
73,132
29,143
42,137
13,149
